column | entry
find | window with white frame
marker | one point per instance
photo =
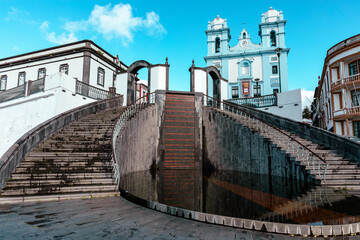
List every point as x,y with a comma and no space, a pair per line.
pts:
257,90
3,81
21,79
101,76
245,69
41,73
274,69
64,68
235,92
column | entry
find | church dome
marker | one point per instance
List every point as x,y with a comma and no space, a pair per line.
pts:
272,15
217,23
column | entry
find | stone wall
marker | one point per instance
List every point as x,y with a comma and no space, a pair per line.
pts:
138,142
345,146
228,145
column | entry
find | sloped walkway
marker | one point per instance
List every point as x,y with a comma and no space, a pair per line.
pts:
110,218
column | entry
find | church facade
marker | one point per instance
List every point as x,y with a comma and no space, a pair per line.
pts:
252,69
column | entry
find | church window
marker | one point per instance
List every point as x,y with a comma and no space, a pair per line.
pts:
244,35
274,69
273,39
217,45
245,69
101,76
41,73
235,92
3,82
354,68
257,90
21,79
64,68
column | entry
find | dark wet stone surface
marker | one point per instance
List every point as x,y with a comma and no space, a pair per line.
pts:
108,218
245,195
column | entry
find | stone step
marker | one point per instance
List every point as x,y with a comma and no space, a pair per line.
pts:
16,184
60,141
64,170
73,150
54,190
49,164
64,154
37,176
56,197
65,158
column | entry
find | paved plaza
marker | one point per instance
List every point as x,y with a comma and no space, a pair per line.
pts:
109,218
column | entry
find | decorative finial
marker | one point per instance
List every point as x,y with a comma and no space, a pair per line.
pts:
166,60
270,8
218,16
193,63
244,25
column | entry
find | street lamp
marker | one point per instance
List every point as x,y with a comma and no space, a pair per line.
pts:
278,51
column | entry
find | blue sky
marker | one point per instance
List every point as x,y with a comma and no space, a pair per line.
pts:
153,30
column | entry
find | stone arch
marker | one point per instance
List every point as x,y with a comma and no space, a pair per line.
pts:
216,77
131,83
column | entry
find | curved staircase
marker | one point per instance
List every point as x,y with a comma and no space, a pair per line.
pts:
73,163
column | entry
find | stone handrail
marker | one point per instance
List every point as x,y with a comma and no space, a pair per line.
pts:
120,122
93,92
347,147
16,153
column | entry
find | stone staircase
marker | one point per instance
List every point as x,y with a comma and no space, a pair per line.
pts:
73,163
179,131
341,173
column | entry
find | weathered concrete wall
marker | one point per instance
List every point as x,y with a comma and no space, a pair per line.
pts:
228,145
345,146
138,142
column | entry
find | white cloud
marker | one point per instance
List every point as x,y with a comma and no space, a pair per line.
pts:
21,16
58,39
306,98
118,22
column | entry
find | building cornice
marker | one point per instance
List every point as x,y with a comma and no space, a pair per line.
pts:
217,30
272,23
28,57
241,54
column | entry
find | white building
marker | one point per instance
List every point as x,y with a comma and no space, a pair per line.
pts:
337,96
82,60
39,85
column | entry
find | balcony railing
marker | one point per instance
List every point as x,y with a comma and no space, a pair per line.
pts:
93,92
13,93
36,86
347,112
347,80
256,102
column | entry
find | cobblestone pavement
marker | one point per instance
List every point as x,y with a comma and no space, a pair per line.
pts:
110,218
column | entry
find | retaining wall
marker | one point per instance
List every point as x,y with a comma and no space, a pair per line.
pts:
228,145
138,141
345,146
